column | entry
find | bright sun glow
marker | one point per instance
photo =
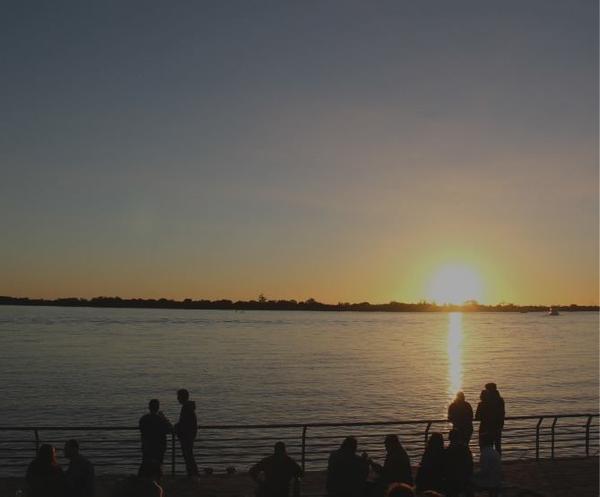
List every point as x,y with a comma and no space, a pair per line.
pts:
454,284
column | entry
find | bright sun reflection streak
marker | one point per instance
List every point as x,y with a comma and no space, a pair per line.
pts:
455,339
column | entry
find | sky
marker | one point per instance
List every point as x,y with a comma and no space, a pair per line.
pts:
337,150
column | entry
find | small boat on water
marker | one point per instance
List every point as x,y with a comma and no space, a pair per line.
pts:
553,312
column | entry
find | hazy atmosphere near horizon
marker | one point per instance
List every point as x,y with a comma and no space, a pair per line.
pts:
343,150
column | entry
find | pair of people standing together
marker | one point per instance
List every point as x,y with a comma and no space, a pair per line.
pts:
490,413
155,427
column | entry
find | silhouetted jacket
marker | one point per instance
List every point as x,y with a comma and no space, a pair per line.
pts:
460,414
346,474
279,471
80,477
430,475
458,466
154,429
187,426
45,481
491,413
396,468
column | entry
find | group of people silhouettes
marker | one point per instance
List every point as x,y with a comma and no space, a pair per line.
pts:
45,477
154,428
445,470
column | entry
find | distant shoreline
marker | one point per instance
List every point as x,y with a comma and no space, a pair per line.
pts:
286,305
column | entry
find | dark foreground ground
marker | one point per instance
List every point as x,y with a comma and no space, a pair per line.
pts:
558,478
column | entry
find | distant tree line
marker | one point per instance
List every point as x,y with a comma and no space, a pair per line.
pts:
264,304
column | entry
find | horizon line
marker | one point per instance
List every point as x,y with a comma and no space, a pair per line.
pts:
263,301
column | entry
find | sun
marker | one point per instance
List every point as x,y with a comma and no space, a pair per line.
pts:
455,284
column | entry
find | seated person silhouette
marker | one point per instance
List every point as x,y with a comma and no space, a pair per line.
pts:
396,467
430,475
275,472
347,472
45,478
80,473
458,466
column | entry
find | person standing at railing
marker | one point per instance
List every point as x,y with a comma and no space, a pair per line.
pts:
274,473
45,477
347,472
491,413
80,473
154,428
186,429
460,414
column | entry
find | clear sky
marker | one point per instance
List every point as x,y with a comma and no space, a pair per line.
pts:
339,150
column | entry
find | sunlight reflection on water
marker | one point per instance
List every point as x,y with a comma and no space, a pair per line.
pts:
455,342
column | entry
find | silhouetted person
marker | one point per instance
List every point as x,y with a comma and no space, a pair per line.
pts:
458,466
460,414
489,476
430,475
346,471
80,473
154,428
274,473
186,429
395,469
490,413
44,477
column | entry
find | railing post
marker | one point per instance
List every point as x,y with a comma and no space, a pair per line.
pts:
304,447
37,440
587,436
553,425
173,454
427,432
537,438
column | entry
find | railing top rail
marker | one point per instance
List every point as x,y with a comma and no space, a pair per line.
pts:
289,425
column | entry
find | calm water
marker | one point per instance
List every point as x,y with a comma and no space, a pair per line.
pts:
78,366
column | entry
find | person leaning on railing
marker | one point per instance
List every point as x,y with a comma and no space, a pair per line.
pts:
491,413
154,428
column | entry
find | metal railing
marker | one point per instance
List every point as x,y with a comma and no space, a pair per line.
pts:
116,449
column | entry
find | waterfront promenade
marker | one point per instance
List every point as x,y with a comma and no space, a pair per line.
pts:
574,477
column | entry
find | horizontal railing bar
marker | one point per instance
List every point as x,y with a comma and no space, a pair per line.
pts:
284,425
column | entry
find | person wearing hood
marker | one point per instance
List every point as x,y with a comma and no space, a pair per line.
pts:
186,429
491,413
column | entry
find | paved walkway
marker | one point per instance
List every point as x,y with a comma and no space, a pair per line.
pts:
558,478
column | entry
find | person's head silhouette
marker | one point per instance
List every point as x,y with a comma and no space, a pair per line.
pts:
46,455
183,395
460,396
280,449
154,406
349,445
391,442
436,442
71,448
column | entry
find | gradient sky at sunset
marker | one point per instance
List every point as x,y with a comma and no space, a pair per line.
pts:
338,150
